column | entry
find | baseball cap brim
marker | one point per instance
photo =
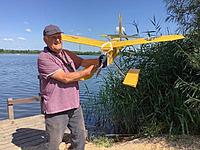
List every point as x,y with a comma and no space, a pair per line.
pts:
51,29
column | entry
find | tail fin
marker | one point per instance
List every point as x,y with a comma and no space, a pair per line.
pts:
120,24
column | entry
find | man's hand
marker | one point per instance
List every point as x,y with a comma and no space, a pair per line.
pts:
92,69
103,60
89,72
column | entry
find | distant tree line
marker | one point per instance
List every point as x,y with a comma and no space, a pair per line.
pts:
3,51
87,53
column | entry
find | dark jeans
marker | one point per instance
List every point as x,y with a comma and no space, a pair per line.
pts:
57,123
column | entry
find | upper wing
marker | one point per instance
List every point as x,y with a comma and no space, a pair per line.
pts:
145,41
82,40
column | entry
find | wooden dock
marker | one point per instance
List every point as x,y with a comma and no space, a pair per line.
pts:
22,133
16,134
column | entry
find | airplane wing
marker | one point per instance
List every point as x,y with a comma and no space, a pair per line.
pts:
82,40
145,41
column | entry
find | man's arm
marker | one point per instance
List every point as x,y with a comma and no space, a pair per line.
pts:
88,62
69,77
82,62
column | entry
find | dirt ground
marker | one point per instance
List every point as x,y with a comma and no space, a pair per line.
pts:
155,143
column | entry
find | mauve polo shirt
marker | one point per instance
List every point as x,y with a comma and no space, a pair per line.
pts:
57,96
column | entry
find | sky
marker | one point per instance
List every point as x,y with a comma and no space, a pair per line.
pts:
22,21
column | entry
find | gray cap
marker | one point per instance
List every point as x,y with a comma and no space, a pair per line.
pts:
51,29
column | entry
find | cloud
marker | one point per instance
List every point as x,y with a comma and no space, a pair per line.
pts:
78,33
8,39
26,22
28,30
21,38
89,29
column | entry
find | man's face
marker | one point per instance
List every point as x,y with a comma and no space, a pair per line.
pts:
54,42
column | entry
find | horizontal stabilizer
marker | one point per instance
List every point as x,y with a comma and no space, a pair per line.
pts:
111,36
131,77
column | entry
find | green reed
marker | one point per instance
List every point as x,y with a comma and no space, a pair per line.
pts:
167,97
157,105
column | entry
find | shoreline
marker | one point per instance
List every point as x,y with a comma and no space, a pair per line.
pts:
2,51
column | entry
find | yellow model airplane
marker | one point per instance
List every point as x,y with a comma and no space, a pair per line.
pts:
116,43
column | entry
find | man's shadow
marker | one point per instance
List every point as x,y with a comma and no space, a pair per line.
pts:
30,139
34,139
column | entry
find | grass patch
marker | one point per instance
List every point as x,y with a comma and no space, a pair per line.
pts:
102,141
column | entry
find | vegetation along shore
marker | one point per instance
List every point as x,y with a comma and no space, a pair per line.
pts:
3,51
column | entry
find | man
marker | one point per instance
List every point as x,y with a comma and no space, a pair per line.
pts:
60,91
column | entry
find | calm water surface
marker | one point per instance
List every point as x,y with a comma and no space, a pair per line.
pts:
18,79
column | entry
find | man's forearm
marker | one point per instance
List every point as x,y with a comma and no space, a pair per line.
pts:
88,62
75,76
69,77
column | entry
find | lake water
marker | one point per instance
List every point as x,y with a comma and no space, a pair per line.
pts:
18,79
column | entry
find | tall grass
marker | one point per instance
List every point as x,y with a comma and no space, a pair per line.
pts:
158,104
167,97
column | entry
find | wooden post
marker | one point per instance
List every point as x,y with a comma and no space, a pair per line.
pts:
10,109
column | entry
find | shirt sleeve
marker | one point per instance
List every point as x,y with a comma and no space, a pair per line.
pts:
47,65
